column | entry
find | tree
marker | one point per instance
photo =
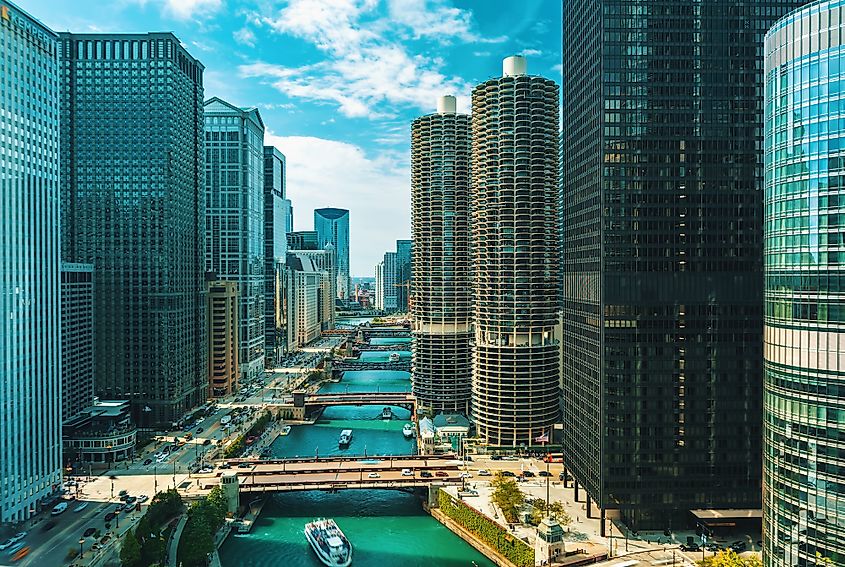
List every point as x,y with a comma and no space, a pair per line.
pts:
728,558
196,542
130,551
557,512
507,496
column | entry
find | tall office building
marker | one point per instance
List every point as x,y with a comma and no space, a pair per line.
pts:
133,205
663,296
378,300
77,338
304,290
403,275
30,353
323,262
234,218
804,336
514,163
278,223
389,290
303,240
332,225
441,297
223,328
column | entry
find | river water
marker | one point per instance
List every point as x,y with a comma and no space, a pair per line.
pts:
386,528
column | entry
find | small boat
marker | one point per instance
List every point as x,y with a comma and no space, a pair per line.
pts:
408,431
285,430
394,357
387,413
345,439
329,543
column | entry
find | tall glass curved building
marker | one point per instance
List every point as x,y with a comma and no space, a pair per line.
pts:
515,390
441,295
804,333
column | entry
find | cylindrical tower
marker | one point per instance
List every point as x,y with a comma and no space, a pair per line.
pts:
804,259
441,295
513,193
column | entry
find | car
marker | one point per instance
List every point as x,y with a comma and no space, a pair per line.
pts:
528,474
59,509
483,472
109,517
143,498
48,526
6,545
148,462
691,547
466,475
128,507
739,546
563,477
131,499
244,465
18,537
89,532
206,470
16,547
207,442
441,473
374,475
80,507
544,474
407,472
712,546
224,466
123,493
496,458
426,474
508,473
124,497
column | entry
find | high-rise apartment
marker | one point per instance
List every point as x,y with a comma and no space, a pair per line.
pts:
133,205
223,328
332,225
30,352
278,223
513,190
804,332
662,347
403,275
234,218
441,296
77,338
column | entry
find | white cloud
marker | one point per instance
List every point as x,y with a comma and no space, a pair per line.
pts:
330,173
367,70
530,52
186,9
245,36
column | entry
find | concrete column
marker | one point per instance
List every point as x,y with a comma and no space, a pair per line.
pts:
589,507
565,476
575,483
603,522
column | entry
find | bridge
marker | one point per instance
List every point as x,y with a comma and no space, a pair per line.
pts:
313,402
401,365
368,332
294,475
394,347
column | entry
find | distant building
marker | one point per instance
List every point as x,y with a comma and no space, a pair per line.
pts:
102,434
303,240
223,329
31,347
234,215
133,205
278,223
403,275
77,338
305,290
323,262
389,290
332,225
378,300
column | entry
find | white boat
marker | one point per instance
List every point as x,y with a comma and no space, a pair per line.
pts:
345,439
408,431
329,543
394,357
286,430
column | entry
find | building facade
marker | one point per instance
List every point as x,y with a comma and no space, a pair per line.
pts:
513,190
804,332
234,219
303,240
304,289
137,212
223,329
102,434
322,261
403,275
662,389
30,353
378,272
332,225
77,338
278,223
441,296
389,279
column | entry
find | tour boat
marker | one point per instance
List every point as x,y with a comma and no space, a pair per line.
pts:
387,413
285,429
408,431
345,439
394,357
329,543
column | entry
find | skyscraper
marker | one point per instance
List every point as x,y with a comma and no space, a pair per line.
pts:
30,349
804,337
403,274
278,223
304,290
378,301
389,291
514,163
77,338
662,248
322,261
441,296
223,351
303,240
332,225
133,205
234,218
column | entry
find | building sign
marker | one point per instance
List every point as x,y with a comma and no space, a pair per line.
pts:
27,25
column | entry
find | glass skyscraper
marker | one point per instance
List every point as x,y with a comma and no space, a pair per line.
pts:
278,223
30,333
133,205
804,333
234,219
662,215
332,225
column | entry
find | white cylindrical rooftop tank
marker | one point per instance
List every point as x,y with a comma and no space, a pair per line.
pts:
447,105
514,65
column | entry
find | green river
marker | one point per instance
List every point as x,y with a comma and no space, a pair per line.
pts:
386,528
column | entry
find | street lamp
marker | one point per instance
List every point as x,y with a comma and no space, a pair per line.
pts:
81,543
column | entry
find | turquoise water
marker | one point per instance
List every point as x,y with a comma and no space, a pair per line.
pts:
387,528
375,341
381,355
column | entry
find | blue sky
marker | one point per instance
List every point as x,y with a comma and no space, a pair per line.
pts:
338,81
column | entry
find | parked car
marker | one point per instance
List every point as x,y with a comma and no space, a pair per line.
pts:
426,474
374,475
407,472
544,473
148,462
690,547
507,473
441,473
18,537
528,474
143,498
122,493
89,532
483,472
109,517
739,546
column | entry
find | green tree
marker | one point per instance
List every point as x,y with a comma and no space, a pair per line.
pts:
130,551
557,511
507,496
728,558
196,542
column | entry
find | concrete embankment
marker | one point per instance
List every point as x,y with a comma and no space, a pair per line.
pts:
470,538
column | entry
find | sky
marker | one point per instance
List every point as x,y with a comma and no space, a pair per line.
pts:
338,82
